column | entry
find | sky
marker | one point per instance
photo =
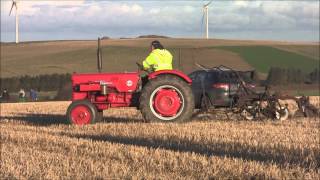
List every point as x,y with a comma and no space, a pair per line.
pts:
228,19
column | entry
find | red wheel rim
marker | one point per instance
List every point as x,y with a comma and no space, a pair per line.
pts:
81,115
167,102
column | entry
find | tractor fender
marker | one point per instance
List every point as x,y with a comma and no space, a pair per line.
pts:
173,72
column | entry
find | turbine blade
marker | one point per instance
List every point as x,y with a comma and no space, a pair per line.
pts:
208,4
13,4
202,24
202,21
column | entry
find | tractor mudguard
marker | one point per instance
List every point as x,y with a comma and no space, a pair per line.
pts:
173,72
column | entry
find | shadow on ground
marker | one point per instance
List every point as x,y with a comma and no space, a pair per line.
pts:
279,154
38,119
247,152
55,119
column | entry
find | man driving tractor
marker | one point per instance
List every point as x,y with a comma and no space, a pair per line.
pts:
158,59
163,96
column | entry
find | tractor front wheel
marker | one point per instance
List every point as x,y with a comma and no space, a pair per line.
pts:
167,98
82,112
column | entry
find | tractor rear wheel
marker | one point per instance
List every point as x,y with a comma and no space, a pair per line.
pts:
166,98
82,112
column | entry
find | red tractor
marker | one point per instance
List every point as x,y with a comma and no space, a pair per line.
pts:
166,96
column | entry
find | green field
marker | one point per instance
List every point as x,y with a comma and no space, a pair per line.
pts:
262,58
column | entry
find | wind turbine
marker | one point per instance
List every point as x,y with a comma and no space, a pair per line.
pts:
206,13
14,4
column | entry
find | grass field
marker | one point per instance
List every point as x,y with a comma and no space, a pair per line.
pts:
37,144
262,58
34,58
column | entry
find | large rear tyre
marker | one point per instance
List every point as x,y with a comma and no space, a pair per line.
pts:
82,112
166,98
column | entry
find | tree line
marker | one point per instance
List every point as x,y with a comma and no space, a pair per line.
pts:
46,82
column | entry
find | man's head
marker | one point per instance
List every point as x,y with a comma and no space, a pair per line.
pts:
156,45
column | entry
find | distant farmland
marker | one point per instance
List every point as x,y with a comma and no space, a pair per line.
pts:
264,57
35,58
309,51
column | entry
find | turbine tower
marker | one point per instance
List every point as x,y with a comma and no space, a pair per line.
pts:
206,13
14,4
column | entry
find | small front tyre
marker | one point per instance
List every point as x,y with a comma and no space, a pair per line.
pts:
82,112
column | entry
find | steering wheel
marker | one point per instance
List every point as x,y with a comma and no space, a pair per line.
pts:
140,67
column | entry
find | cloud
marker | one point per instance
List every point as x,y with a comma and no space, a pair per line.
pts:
267,15
241,3
32,7
130,18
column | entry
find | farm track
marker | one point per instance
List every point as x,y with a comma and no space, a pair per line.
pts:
36,143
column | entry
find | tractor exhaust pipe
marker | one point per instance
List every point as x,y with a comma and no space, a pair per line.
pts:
99,56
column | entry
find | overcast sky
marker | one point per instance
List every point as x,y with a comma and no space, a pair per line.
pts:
53,20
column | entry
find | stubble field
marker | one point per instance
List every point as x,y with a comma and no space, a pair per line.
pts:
37,144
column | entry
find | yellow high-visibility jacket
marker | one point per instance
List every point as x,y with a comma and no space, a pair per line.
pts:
158,59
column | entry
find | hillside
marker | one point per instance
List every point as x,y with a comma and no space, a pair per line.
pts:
33,58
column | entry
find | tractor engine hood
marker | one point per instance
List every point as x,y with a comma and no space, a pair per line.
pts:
122,82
